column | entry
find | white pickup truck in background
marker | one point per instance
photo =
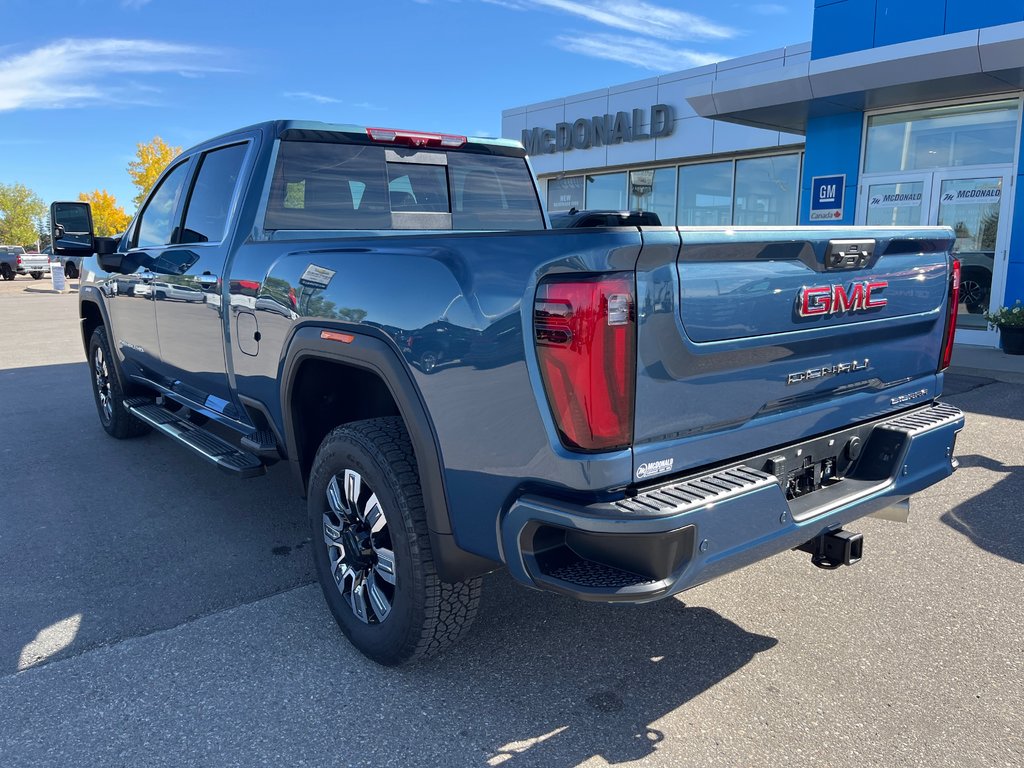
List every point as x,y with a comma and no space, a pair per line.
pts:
15,261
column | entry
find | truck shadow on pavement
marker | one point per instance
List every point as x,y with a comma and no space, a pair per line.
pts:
994,519
581,680
102,539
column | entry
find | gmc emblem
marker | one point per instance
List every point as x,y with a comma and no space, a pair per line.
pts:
824,300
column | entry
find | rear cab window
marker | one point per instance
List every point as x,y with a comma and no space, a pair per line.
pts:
320,186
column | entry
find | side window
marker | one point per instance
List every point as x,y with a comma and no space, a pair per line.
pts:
206,215
157,222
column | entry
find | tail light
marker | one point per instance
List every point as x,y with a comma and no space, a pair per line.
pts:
585,332
954,307
19,261
415,138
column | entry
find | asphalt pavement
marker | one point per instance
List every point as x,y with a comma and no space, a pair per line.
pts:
155,612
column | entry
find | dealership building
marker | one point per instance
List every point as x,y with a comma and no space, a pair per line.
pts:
898,112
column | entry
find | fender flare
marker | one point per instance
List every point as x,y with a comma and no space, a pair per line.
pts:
380,358
91,297
376,356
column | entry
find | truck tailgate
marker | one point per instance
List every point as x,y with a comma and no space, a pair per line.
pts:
746,340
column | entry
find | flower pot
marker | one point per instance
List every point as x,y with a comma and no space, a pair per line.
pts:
1012,340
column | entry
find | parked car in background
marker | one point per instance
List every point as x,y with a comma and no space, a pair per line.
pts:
72,264
575,218
9,261
976,279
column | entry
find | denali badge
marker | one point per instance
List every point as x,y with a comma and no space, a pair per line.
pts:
908,397
652,468
824,300
827,370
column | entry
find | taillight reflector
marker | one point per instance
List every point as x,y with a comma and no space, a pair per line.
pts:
585,332
415,138
954,308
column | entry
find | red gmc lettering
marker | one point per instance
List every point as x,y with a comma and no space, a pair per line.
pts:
833,299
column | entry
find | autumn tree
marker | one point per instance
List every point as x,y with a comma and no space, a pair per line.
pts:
20,210
150,159
108,218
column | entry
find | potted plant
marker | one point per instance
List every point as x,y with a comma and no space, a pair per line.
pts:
1010,322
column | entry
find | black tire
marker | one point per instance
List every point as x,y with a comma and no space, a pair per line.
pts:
70,270
6,272
425,615
36,275
116,420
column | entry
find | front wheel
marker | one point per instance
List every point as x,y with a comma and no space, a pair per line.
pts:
36,275
6,272
70,270
106,388
371,549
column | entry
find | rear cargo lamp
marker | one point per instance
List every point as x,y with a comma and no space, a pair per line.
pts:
954,307
585,332
415,138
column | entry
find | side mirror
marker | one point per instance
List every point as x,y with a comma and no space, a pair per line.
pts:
71,229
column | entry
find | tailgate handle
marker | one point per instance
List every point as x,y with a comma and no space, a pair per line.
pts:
849,254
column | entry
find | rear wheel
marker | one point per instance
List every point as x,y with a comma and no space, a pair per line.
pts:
70,270
106,388
36,275
372,551
6,272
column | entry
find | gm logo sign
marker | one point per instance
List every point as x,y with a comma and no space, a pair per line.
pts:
827,197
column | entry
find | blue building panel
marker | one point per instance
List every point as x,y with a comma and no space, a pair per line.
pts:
833,148
842,27
897,21
973,14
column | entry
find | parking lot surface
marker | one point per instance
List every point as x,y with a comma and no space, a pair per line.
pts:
154,611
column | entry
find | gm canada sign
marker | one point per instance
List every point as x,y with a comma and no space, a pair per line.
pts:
827,197
600,130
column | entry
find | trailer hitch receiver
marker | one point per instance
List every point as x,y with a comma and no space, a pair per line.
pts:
835,548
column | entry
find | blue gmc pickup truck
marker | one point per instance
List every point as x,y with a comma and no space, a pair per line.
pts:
616,414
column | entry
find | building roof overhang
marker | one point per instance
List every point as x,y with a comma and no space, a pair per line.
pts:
974,63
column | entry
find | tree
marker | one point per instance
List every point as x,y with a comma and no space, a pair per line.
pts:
20,209
150,159
108,218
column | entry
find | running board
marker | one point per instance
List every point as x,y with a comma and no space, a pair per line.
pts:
207,445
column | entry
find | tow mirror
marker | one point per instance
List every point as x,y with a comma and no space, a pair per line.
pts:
71,229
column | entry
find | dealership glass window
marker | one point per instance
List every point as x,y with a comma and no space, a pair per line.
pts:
942,137
607,191
705,195
654,190
565,194
766,191
896,205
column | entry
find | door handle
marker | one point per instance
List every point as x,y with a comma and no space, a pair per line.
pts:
206,280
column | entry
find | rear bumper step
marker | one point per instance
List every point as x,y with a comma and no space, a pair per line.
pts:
688,531
198,440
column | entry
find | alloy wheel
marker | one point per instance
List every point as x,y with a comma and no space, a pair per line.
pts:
359,548
103,391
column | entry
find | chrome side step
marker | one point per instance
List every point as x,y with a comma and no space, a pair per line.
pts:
198,440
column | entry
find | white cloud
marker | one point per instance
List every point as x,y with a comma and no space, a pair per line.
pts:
319,98
644,18
75,73
639,51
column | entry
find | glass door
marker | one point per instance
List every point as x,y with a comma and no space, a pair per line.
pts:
896,201
975,205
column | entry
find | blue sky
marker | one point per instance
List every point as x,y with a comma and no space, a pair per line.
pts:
83,81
